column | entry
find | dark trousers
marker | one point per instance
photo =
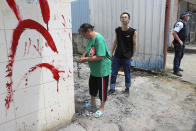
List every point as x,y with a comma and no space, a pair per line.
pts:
179,53
116,64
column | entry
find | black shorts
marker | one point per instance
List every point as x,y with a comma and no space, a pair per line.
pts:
99,84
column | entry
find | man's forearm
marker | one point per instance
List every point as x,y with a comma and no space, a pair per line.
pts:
134,43
176,37
94,58
113,47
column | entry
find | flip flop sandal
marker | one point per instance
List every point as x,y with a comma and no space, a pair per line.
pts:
89,105
98,114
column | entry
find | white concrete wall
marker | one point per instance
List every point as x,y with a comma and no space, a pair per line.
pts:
35,102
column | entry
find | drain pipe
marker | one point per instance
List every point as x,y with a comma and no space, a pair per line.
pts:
166,30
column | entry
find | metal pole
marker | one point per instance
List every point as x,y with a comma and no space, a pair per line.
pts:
167,18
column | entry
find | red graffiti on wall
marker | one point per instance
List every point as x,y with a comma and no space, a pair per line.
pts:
45,11
25,49
14,7
50,67
29,45
37,48
21,27
64,21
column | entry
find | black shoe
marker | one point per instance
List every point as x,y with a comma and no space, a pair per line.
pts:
180,69
127,90
178,74
111,91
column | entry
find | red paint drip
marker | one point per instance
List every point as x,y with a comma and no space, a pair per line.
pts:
25,49
63,17
37,47
70,71
54,71
25,24
63,24
14,7
46,44
38,43
64,21
9,97
26,80
29,45
45,11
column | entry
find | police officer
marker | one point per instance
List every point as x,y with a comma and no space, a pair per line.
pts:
180,36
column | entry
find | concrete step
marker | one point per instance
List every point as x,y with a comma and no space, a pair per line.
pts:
190,48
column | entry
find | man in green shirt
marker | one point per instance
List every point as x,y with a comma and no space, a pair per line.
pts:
98,58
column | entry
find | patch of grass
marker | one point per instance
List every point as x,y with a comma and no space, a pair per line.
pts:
170,75
162,72
194,86
166,74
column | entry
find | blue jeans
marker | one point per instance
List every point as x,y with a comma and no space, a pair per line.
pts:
179,53
116,64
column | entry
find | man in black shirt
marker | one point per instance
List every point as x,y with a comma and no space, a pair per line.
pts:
125,43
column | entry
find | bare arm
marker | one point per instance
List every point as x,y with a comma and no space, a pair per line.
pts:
134,44
114,45
93,58
174,33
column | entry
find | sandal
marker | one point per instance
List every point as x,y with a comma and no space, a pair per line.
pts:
98,114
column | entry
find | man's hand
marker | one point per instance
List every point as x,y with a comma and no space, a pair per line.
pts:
132,58
82,59
111,55
177,37
181,43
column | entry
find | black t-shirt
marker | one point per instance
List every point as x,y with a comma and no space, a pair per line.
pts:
124,43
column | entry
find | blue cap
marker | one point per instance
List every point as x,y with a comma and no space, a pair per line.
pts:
184,14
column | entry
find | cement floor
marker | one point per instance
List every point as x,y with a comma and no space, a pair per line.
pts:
155,103
188,64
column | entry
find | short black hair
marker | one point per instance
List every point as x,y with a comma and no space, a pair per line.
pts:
125,13
85,27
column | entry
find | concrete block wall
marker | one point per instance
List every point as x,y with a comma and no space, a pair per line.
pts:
36,64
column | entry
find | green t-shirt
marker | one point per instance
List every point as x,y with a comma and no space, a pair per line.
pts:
97,46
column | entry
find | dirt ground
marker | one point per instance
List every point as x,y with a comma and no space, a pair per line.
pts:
155,103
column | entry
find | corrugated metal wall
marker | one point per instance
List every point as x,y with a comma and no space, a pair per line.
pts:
80,13
147,17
